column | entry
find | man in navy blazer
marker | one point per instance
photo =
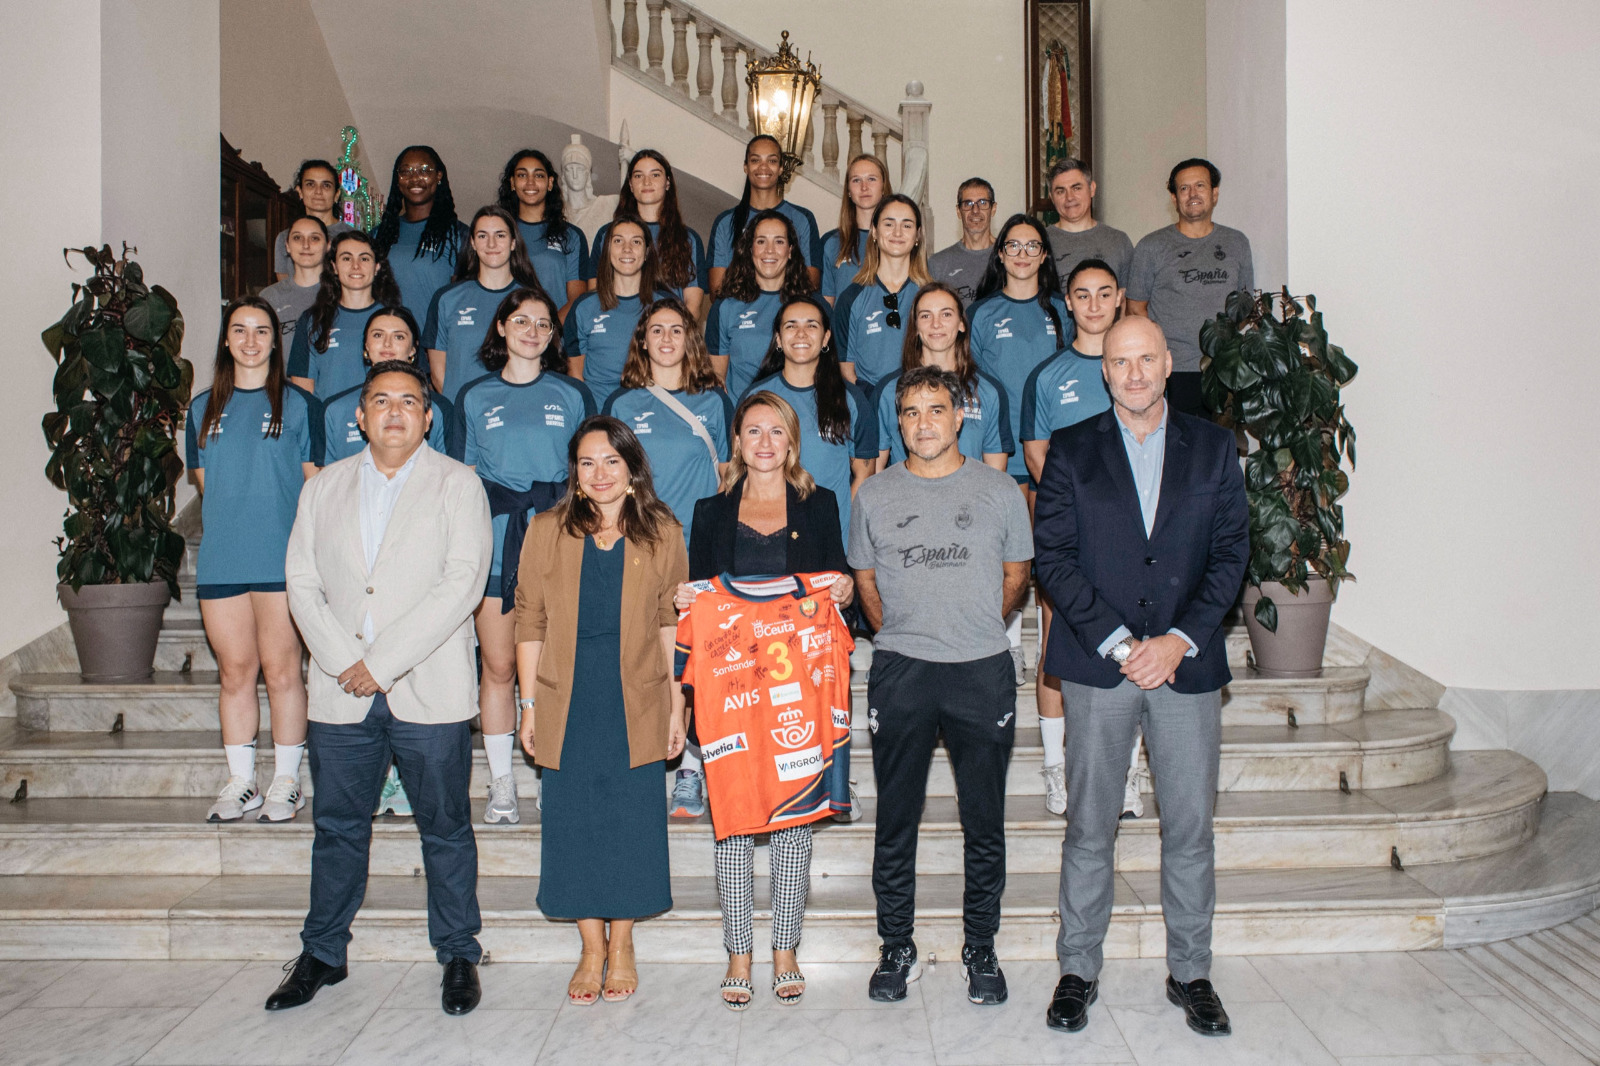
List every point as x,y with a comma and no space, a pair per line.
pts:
1141,532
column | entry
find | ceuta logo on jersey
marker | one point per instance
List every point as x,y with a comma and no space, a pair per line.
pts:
1000,330
464,316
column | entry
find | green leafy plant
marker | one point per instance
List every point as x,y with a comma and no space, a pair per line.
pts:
121,388
1278,379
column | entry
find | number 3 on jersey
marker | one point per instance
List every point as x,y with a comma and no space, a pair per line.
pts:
780,651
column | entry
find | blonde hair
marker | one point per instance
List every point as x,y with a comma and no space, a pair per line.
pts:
793,472
919,258
847,208
698,373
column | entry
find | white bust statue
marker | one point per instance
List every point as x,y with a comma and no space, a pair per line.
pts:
582,207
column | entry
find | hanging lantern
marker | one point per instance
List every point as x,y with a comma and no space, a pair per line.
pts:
782,92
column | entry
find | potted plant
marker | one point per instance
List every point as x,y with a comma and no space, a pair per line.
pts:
1278,379
121,388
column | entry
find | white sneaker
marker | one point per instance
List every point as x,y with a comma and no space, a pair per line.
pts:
1055,788
854,814
502,801
284,798
1132,801
236,797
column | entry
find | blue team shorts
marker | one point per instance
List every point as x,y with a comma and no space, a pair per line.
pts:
223,592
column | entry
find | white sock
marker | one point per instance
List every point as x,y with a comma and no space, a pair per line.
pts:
691,760
286,760
498,747
1014,628
241,759
1133,763
1053,731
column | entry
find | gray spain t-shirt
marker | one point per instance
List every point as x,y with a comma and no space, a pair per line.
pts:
289,301
1186,281
935,546
1101,241
961,268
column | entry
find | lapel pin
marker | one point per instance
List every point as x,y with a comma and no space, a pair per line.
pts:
795,535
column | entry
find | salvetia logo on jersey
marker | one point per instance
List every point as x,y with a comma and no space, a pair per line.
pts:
841,718
727,745
772,629
792,766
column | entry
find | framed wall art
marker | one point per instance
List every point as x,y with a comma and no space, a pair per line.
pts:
1060,115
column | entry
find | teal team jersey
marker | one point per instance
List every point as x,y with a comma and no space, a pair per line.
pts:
602,338
421,275
341,436
556,262
253,482
458,319
826,461
517,434
698,265
1062,391
680,462
862,333
985,421
838,277
805,230
742,331
340,367
1009,339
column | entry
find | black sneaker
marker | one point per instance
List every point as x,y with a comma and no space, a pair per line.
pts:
897,967
985,982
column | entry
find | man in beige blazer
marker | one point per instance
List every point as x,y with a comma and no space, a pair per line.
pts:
387,560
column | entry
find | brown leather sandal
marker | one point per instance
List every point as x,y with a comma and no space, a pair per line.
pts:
584,988
622,975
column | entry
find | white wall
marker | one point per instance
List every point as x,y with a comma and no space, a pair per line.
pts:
50,81
1246,135
1441,160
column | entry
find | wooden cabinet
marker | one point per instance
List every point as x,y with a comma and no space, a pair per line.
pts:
254,210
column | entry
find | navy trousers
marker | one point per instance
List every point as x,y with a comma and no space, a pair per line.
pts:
348,765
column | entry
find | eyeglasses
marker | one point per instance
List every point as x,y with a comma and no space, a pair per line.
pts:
523,324
968,205
891,302
422,171
1029,249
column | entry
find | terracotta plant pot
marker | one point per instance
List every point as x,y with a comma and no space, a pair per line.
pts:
115,628
1295,650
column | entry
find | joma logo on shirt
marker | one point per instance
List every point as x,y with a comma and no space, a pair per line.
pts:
639,423
597,324
747,319
465,316
1000,331
873,325
1067,393
492,419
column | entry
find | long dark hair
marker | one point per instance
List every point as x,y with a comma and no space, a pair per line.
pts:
994,273
644,519
493,351
741,213
674,256
833,403
605,276
698,374
222,372
440,229
329,292
740,281
555,218
395,310
521,266
911,346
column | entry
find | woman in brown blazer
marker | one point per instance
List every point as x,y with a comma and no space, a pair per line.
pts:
594,601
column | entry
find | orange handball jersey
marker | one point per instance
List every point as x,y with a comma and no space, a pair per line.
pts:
769,662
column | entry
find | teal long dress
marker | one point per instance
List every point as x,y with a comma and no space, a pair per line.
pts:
604,848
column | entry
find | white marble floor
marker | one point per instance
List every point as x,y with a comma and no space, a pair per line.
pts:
1382,1009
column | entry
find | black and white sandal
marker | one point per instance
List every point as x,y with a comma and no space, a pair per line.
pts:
738,984
789,978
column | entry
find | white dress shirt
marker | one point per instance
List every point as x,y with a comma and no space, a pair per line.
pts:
378,496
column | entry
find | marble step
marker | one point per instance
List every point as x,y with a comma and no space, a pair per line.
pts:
186,608
172,700
182,645
1487,803
1382,749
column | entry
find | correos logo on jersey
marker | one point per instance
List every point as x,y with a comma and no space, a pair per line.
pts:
795,734
794,765
725,746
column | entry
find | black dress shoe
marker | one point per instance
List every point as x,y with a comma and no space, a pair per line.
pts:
306,974
461,992
1201,1007
1069,1006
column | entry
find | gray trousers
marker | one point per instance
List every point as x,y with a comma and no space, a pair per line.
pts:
1183,741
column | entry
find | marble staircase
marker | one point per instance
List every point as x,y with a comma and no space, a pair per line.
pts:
1339,826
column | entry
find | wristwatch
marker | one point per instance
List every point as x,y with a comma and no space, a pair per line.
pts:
1121,650
526,703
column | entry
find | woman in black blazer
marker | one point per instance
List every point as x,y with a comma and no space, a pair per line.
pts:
769,518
